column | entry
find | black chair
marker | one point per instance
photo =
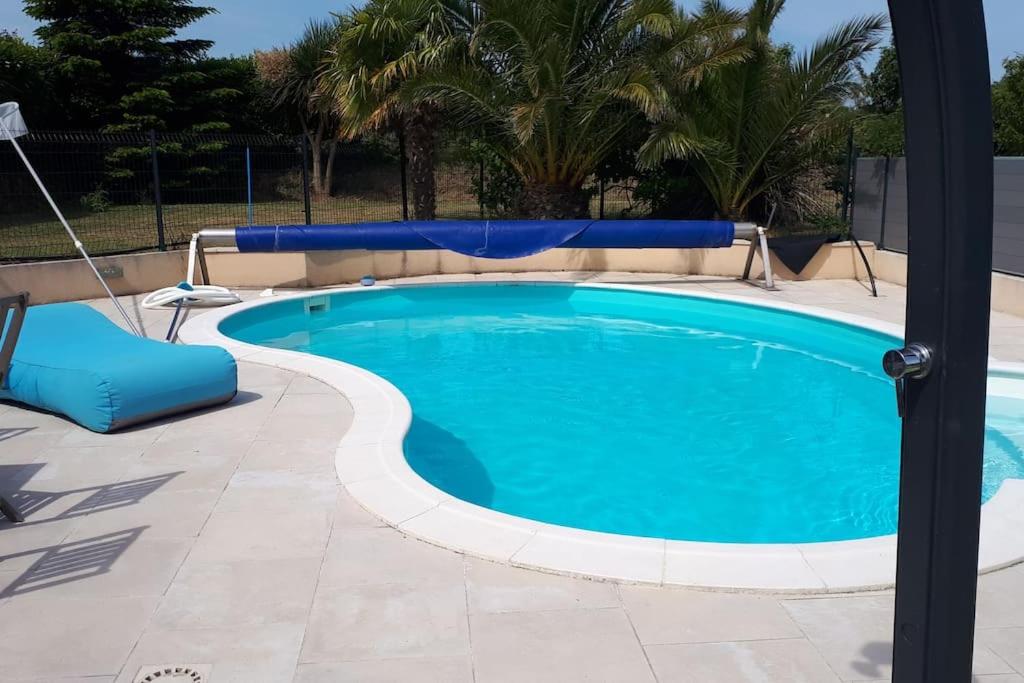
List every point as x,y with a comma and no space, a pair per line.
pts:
12,315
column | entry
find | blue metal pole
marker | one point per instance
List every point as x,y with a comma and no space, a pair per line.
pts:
248,180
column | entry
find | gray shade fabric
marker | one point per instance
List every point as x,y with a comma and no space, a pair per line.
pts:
13,126
880,208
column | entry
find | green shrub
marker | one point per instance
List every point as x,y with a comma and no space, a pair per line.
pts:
96,201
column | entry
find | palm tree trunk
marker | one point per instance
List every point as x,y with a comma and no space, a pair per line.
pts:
420,127
329,171
316,143
545,201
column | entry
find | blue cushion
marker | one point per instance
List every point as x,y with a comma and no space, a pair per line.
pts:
71,359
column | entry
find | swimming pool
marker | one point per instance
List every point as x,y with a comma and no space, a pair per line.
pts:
633,412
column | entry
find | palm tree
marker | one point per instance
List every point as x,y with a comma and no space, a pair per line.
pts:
557,84
753,126
386,44
291,77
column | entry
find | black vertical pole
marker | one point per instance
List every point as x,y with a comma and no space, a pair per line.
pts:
600,205
305,180
853,186
849,178
161,242
885,203
401,165
945,77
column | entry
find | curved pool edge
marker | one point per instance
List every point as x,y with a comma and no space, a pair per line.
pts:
371,465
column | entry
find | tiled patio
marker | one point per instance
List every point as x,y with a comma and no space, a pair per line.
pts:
222,540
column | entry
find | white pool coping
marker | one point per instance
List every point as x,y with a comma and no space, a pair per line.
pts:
371,465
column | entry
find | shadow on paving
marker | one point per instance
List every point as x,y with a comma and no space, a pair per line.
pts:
68,562
100,498
7,433
876,659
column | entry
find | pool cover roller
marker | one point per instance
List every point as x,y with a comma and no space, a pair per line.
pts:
498,239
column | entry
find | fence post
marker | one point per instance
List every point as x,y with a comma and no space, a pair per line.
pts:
305,180
885,202
401,163
161,242
847,196
600,204
853,187
248,180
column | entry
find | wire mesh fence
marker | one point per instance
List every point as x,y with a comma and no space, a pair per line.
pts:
128,192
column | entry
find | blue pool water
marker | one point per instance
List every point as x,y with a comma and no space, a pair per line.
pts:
634,413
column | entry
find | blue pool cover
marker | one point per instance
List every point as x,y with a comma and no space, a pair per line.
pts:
488,239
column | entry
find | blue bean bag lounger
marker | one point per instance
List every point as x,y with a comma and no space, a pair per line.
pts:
71,359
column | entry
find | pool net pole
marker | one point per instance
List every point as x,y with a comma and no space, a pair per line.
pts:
71,233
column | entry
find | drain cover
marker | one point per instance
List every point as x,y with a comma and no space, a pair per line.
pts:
173,673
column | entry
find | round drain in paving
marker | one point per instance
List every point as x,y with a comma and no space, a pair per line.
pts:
169,674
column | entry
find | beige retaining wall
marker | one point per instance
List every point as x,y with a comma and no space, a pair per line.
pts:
1007,290
136,273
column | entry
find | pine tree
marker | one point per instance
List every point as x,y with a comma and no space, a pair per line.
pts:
119,63
25,77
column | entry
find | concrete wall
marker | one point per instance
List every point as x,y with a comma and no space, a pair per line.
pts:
880,208
50,281
71,280
1007,290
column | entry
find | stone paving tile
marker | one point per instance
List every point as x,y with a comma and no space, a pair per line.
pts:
559,646
64,679
294,428
305,386
122,564
1007,643
387,621
326,406
348,514
1013,352
496,587
254,655
259,490
259,377
84,466
49,638
682,616
22,442
243,594
138,437
421,670
232,536
316,455
1001,599
164,514
182,471
759,661
854,634
382,556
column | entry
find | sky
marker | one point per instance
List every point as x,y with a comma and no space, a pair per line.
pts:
244,25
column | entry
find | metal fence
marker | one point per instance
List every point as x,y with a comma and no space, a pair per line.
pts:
142,191
880,208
